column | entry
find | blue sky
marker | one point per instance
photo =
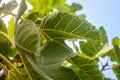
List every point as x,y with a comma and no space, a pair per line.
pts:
102,13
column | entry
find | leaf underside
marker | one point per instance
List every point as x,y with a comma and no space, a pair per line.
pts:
60,25
87,68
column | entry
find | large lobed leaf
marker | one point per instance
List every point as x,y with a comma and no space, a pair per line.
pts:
92,47
86,68
53,54
27,41
27,36
61,25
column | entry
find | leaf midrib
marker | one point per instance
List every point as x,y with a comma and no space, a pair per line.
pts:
63,32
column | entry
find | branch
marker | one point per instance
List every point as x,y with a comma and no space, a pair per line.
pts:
9,63
4,68
10,13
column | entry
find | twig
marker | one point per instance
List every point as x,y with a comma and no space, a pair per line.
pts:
9,63
104,66
4,68
10,13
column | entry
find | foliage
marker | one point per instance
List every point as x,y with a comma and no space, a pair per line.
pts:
33,45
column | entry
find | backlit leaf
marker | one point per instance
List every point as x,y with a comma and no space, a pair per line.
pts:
75,7
90,47
4,29
87,69
11,27
116,44
103,35
27,41
44,7
66,26
3,26
27,36
52,56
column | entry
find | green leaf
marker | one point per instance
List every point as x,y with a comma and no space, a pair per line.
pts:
82,16
40,4
116,41
116,44
12,75
33,16
75,7
53,54
32,69
43,7
6,49
90,47
4,29
27,36
3,26
113,56
66,26
116,70
62,7
63,73
103,35
27,41
21,10
86,68
10,5
11,27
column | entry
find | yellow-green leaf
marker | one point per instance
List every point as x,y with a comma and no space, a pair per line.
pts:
11,27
